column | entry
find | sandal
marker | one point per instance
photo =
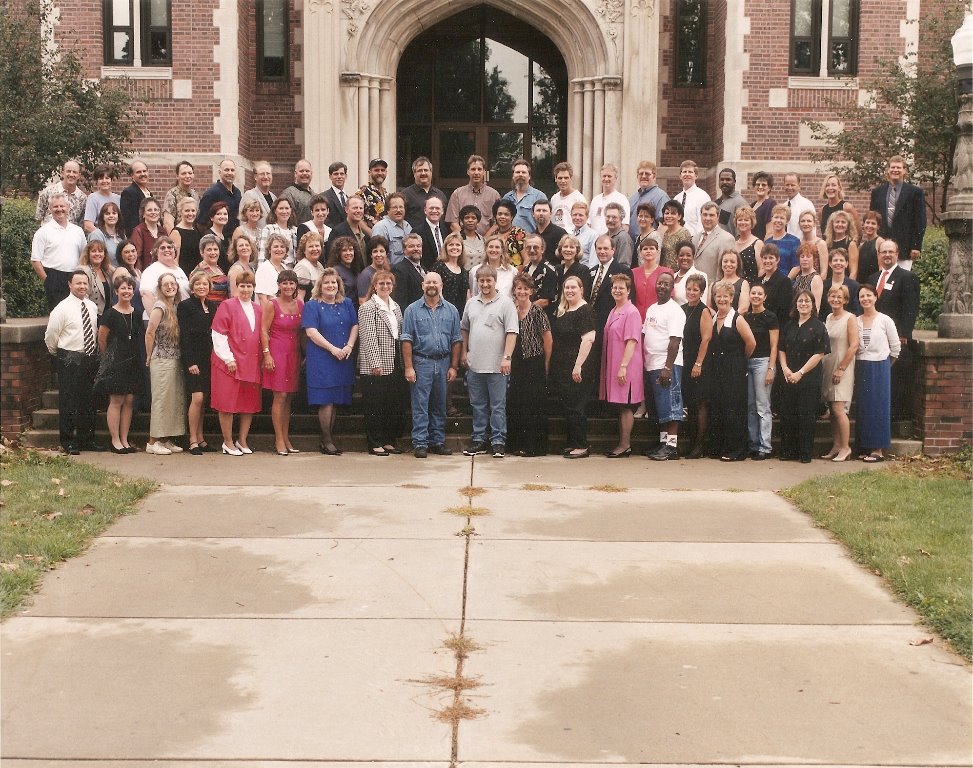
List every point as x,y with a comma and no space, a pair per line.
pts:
378,451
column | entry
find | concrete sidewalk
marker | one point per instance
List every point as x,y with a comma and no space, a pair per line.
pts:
310,610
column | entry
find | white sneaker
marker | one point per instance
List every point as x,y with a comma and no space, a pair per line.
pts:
173,448
157,448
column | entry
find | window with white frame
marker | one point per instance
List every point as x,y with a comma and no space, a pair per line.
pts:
824,38
138,33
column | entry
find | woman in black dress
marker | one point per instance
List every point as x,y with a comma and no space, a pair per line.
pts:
451,267
569,252
574,370
120,374
803,345
695,356
527,393
195,345
732,344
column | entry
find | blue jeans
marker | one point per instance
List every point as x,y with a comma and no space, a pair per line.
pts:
759,416
488,401
429,401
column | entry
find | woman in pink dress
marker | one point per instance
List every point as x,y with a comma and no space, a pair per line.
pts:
236,364
621,345
281,355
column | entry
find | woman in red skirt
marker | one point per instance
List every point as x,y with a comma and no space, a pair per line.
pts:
236,364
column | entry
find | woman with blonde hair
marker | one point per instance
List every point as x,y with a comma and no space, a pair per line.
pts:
280,221
185,236
267,272
309,267
842,232
330,321
574,370
94,262
834,200
570,254
730,269
167,418
805,276
235,363
808,223
748,245
731,346
240,255
250,215
451,267
496,255
195,316
838,382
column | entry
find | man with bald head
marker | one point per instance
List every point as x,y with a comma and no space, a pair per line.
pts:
67,186
299,195
223,191
263,178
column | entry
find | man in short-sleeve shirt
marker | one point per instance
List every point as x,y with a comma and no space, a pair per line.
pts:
665,322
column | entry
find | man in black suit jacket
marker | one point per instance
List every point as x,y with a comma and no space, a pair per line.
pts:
898,297
433,220
338,172
133,195
907,204
602,301
353,226
409,272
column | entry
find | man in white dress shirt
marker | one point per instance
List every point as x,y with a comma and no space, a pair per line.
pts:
56,250
691,198
71,337
796,202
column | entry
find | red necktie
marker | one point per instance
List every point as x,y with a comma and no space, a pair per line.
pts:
881,284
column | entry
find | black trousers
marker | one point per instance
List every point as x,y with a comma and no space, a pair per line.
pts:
799,414
56,287
75,379
527,407
902,382
574,398
385,403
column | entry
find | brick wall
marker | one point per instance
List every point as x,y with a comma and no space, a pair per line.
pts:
944,395
25,372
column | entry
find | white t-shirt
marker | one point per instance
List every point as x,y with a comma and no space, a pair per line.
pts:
596,216
150,282
561,208
662,321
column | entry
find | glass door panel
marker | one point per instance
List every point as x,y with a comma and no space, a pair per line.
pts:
503,147
454,146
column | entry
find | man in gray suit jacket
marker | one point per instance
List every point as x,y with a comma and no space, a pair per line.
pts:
711,242
263,177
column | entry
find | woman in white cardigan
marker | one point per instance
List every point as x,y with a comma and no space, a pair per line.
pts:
878,348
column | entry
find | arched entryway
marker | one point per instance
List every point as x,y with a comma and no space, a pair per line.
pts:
482,82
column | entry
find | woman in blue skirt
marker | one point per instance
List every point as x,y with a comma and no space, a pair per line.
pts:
878,348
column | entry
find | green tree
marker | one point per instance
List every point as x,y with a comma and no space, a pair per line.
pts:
49,111
910,110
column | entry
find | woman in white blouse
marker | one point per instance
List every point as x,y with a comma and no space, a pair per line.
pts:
878,348
281,222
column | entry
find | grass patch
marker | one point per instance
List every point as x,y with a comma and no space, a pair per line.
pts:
471,491
462,511
459,711
455,683
50,509
413,485
462,645
536,487
608,488
911,524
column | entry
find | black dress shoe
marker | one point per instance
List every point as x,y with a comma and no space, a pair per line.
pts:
113,449
72,450
440,450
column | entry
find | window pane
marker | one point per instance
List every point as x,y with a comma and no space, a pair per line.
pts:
503,147
690,42
413,141
803,18
158,13
840,18
803,56
121,13
507,83
458,83
272,17
414,88
121,46
454,148
159,45
840,56
546,125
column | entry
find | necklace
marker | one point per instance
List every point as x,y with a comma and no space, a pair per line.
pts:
129,317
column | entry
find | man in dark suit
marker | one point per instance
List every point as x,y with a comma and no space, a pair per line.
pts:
133,195
353,226
417,194
898,297
336,196
602,301
903,209
428,229
409,272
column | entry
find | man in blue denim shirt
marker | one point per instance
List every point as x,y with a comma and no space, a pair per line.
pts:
431,343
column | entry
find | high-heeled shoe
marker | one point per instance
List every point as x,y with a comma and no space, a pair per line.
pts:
243,448
839,457
330,450
234,451
621,455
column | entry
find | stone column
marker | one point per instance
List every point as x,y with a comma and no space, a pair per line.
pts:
956,320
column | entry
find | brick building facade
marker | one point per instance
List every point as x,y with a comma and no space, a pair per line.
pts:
723,82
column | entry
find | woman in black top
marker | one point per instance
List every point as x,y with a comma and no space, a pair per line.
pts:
761,369
803,345
574,370
195,317
696,362
569,252
731,347
527,393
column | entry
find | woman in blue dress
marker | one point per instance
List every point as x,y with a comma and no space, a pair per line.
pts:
331,323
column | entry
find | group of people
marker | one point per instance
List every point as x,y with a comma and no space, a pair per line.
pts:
411,294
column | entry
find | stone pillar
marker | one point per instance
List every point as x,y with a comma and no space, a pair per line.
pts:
956,320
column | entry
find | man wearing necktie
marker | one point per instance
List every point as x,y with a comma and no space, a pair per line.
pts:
70,337
691,198
335,194
897,291
433,230
903,209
